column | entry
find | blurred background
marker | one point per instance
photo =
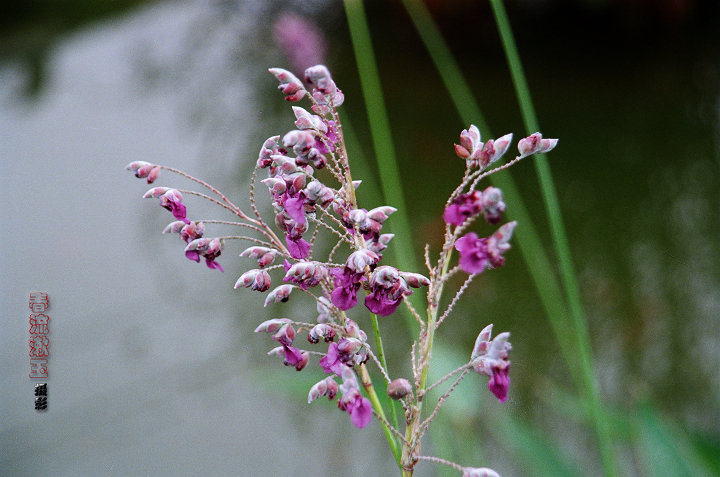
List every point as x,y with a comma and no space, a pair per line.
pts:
154,369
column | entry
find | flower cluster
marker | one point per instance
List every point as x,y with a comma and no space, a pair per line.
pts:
312,193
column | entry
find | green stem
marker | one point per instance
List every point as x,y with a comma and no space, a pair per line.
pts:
383,363
567,273
370,390
388,170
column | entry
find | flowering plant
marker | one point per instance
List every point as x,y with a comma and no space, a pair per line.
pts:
305,207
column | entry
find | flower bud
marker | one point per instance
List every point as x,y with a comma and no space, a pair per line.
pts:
497,243
306,274
493,150
318,192
268,149
157,192
322,330
264,255
399,388
141,169
492,205
384,276
199,245
535,144
174,227
272,326
285,335
415,280
276,185
279,294
501,145
479,472
327,387
357,261
290,86
352,351
305,120
319,77
300,141
254,279
380,214
469,142
286,164
359,217
353,330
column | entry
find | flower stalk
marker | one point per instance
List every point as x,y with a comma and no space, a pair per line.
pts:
300,198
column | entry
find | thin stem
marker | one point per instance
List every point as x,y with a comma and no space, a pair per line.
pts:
252,194
438,460
370,390
447,376
567,273
201,182
383,362
215,201
426,423
539,265
249,239
392,429
455,299
378,364
224,222
388,169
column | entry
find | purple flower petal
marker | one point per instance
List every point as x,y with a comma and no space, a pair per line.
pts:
295,208
298,248
331,363
193,255
293,356
344,298
213,264
361,412
453,215
178,210
381,304
499,383
473,253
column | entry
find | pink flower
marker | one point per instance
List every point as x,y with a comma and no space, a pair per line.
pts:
490,357
477,254
499,383
210,249
331,362
353,402
297,247
388,290
463,207
295,208
172,201
347,284
358,407
294,357
473,253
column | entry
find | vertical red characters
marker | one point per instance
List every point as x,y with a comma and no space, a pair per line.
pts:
39,345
